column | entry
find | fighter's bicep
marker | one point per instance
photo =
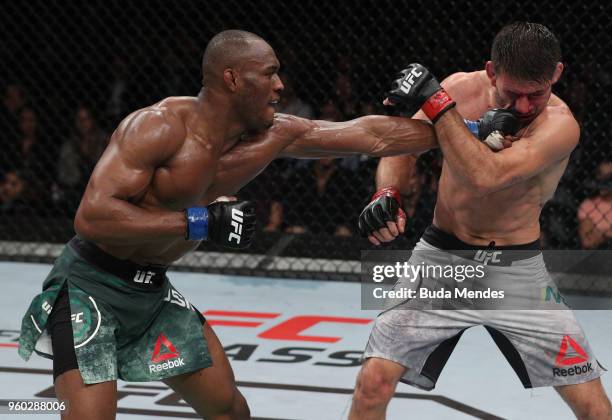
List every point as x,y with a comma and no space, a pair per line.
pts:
120,177
325,138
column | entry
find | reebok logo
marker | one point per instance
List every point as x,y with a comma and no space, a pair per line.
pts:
576,370
563,359
167,365
408,81
237,220
158,356
485,257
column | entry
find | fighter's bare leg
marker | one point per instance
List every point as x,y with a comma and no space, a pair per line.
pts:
212,391
587,400
375,387
92,402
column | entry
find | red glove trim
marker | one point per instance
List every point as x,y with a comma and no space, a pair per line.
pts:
437,104
390,192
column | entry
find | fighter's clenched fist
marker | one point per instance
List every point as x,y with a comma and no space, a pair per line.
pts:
383,218
227,223
416,88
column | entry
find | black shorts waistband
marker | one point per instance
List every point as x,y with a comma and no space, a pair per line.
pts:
135,274
487,254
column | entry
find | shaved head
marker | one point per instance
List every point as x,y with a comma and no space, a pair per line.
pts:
226,49
240,76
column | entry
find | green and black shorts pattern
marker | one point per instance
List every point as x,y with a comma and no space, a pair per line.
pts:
127,320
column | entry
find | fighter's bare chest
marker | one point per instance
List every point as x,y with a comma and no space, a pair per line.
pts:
199,178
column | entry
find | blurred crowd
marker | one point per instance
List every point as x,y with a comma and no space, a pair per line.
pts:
45,166
44,172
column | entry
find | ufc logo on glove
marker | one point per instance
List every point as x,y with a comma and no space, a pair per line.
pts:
237,219
409,81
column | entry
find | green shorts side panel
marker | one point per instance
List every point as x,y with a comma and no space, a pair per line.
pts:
119,330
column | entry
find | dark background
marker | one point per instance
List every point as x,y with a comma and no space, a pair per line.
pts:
68,54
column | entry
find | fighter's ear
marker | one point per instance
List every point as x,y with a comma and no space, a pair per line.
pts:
230,78
490,72
557,73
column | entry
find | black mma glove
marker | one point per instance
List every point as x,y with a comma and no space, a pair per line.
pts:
493,126
417,88
501,120
228,223
384,207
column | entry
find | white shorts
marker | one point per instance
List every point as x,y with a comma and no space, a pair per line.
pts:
544,347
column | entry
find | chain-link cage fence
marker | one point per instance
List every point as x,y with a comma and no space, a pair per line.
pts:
71,71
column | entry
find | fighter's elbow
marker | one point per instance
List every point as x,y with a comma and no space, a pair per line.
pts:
85,225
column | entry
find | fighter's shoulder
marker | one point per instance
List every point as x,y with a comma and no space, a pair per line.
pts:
557,119
162,120
463,82
155,132
558,108
559,113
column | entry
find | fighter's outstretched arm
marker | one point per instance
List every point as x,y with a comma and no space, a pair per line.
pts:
106,214
374,135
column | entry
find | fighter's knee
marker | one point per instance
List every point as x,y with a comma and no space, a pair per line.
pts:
221,401
230,405
594,410
240,409
374,387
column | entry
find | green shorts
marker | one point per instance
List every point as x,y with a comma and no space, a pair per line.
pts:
127,320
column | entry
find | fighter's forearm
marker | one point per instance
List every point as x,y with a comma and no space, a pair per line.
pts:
373,135
470,160
117,222
395,172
